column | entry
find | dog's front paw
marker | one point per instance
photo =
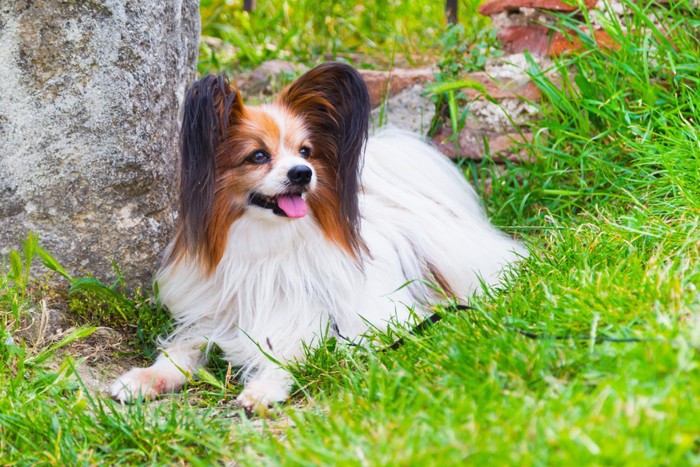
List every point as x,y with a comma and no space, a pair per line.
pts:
144,383
258,395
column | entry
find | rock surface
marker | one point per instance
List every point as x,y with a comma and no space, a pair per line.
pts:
268,79
410,110
477,145
90,96
385,84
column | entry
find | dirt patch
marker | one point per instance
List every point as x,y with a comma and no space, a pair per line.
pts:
99,357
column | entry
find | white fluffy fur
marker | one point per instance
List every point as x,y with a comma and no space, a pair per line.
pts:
281,281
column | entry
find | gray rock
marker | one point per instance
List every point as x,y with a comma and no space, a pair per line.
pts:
409,110
90,95
273,68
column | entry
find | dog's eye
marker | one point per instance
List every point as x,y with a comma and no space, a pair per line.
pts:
258,157
305,152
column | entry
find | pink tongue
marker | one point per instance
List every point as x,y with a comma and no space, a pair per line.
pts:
292,205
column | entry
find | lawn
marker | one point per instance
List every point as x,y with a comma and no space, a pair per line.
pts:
589,355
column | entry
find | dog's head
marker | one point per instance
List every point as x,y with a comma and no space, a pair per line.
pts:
297,156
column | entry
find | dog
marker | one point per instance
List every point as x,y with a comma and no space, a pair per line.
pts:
293,223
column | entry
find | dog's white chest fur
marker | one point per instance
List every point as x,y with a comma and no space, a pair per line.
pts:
275,280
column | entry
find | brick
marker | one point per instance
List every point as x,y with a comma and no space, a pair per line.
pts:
533,38
512,89
393,82
543,41
504,146
492,7
561,44
472,146
400,79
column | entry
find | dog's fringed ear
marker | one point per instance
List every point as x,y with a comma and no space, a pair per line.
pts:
334,102
211,106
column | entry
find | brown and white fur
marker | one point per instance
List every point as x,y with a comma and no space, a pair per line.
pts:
284,231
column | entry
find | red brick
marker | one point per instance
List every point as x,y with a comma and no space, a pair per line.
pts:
491,7
533,38
561,44
471,145
540,40
399,79
501,146
502,90
396,80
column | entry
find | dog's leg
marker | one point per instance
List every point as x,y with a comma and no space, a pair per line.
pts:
268,385
263,360
169,372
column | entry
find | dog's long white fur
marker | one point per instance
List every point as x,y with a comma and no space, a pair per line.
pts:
281,282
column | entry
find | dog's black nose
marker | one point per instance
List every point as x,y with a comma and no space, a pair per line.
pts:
299,175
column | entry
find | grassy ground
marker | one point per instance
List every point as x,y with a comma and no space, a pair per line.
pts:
611,211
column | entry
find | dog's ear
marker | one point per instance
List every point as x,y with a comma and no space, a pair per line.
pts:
211,106
333,101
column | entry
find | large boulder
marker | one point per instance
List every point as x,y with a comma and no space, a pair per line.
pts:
90,95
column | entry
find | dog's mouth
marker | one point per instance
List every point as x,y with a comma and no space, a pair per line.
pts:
285,205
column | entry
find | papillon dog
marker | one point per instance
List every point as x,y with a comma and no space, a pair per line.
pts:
293,224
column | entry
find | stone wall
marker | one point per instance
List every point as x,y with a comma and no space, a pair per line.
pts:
90,95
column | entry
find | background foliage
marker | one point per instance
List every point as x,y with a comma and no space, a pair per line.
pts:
364,33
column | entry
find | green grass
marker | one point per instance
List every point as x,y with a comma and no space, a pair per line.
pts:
611,211
366,34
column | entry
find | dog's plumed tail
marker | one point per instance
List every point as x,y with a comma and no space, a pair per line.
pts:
436,222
